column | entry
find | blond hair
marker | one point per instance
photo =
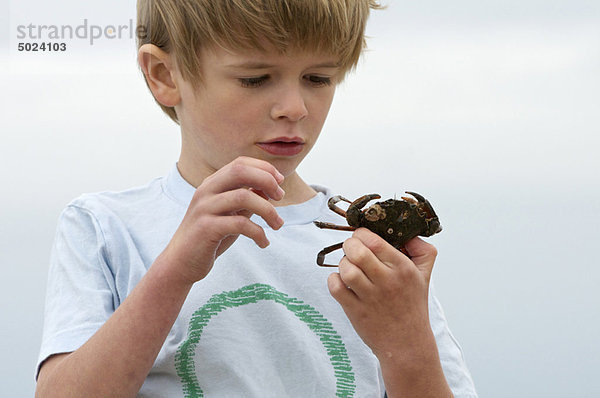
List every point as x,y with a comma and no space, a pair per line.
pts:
184,27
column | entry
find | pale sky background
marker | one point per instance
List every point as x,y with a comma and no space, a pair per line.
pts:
489,108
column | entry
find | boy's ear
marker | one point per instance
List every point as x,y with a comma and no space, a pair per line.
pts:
160,73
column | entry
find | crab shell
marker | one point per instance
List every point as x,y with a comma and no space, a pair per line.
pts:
397,221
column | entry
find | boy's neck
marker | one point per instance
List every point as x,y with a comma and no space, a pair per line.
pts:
296,191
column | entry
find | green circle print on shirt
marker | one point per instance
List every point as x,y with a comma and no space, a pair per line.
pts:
332,342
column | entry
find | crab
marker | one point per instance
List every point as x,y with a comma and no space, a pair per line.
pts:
396,221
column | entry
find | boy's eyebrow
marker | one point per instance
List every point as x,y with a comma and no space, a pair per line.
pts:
263,65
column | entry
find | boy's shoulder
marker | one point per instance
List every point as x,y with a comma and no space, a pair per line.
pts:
120,203
108,197
164,197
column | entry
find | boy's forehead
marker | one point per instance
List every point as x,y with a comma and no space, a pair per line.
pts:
258,58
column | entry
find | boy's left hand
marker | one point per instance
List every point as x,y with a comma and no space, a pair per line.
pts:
384,293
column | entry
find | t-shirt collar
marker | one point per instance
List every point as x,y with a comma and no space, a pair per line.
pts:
177,188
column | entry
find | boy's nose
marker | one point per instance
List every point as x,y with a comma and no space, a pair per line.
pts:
290,105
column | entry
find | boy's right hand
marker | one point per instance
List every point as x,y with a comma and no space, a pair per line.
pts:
220,211
124,349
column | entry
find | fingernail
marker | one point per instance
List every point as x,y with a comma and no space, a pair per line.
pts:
279,177
280,193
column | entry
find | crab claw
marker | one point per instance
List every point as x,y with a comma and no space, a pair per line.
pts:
419,197
363,200
433,222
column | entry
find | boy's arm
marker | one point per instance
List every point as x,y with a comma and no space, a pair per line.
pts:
115,361
385,296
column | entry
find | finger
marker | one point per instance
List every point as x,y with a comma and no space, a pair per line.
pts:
381,249
260,164
240,225
354,277
339,291
247,201
422,254
248,213
247,172
360,256
259,193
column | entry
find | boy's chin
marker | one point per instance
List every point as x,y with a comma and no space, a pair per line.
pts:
285,166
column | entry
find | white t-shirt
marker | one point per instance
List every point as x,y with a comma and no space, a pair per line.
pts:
261,324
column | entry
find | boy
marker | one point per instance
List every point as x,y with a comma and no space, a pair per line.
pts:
204,282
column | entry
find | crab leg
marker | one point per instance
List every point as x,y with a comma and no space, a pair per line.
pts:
333,200
324,252
328,225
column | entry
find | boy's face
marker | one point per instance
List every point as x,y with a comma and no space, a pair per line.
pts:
261,104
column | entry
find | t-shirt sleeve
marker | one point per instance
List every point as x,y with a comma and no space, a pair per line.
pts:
451,355
80,294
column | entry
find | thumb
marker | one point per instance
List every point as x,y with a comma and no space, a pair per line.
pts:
422,254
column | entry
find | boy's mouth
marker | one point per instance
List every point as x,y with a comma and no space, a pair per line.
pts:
283,146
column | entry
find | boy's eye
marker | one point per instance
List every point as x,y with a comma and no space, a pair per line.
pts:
257,81
319,80
253,81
